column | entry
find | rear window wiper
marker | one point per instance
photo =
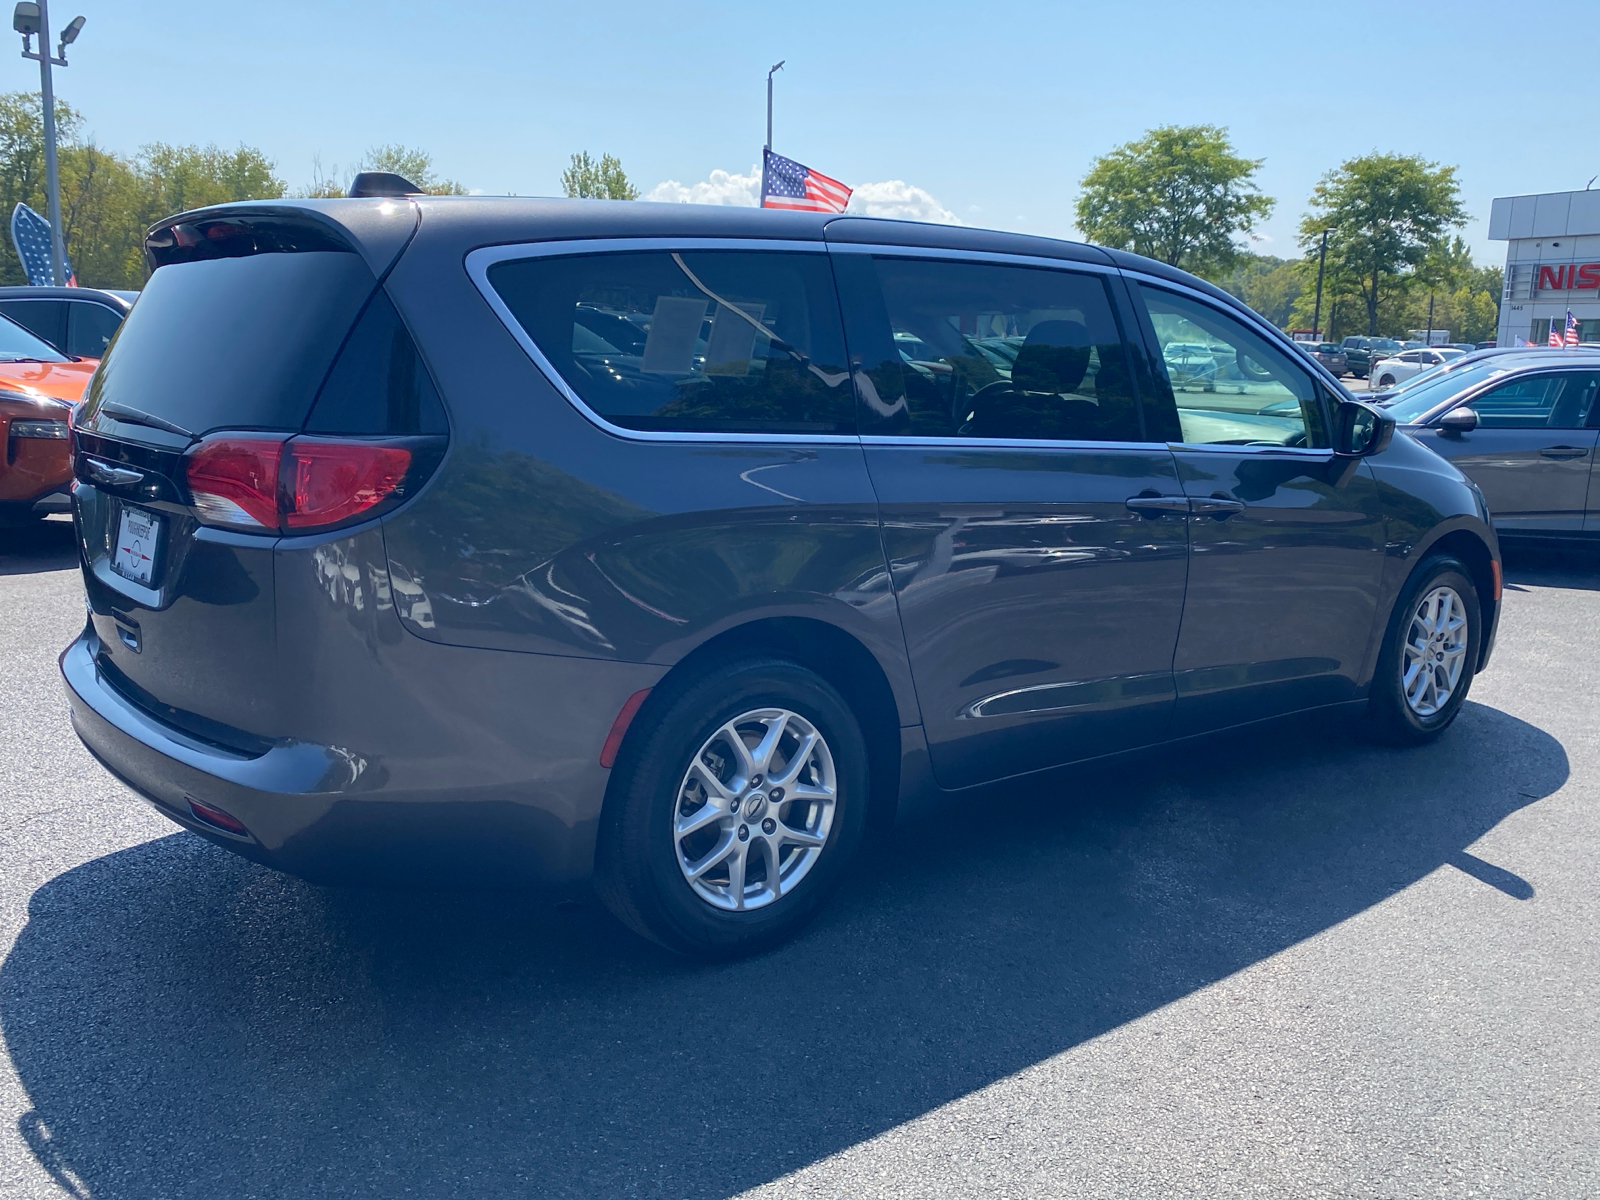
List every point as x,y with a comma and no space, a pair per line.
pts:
137,416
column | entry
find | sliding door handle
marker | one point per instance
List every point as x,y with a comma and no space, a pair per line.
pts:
1217,507
1158,506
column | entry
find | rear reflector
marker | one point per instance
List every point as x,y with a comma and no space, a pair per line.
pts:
216,818
261,483
619,728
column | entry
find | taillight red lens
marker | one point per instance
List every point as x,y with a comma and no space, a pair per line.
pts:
292,484
331,481
233,479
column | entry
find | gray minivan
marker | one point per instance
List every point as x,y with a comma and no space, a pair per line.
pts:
1523,425
673,546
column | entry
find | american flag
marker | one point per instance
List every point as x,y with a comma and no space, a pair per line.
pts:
30,234
1572,329
787,184
1555,333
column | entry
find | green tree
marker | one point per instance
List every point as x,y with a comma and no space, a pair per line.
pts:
589,179
179,178
1269,285
1385,213
415,166
1179,194
409,163
107,199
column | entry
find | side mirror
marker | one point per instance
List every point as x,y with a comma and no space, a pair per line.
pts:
1359,430
1458,421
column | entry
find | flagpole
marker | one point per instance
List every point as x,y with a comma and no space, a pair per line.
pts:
766,151
777,67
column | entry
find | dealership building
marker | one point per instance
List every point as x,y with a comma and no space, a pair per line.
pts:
1552,264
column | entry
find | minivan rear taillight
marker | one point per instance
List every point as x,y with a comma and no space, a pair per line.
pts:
331,480
300,484
233,480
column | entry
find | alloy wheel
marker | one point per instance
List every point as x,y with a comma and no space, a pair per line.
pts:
1435,651
754,809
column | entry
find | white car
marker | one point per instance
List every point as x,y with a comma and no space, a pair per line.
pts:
1389,371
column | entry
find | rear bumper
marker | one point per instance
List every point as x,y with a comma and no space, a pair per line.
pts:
331,815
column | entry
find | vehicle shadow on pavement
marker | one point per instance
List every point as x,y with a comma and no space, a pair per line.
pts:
1552,566
38,546
187,1024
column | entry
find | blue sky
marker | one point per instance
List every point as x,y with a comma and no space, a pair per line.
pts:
993,110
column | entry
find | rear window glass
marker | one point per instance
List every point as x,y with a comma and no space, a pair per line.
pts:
707,341
237,343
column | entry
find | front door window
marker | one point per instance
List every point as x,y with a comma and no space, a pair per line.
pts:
1232,385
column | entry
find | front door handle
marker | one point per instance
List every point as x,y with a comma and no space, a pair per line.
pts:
1156,506
1563,452
1219,508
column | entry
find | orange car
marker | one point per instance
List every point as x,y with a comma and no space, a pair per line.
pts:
38,387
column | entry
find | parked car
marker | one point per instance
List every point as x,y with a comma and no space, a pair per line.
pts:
1523,427
1357,356
1329,354
1360,352
77,321
407,564
1402,366
38,387
1389,395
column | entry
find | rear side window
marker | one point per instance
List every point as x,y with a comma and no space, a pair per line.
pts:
46,318
235,343
89,328
378,385
692,342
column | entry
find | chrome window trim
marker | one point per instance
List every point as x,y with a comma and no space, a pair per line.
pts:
998,257
971,443
478,263
1322,453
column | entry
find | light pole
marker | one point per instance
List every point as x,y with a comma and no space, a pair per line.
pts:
30,19
778,67
1316,312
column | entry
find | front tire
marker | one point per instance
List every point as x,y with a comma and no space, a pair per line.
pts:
733,813
1386,382
1429,655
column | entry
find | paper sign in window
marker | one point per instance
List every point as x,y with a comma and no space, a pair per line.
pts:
674,329
733,339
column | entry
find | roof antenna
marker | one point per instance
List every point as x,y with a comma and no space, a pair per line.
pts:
1590,184
383,183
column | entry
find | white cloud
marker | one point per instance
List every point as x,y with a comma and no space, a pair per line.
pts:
722,188
891,198
899,199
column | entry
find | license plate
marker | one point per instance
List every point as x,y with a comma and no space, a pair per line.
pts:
138,537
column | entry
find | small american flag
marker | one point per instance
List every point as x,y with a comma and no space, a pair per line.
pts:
787,184
1572,329
30,234
1555,333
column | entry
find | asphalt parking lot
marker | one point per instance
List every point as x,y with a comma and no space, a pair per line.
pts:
1280,963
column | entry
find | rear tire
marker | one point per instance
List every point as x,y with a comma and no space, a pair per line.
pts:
683,794
1429,655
